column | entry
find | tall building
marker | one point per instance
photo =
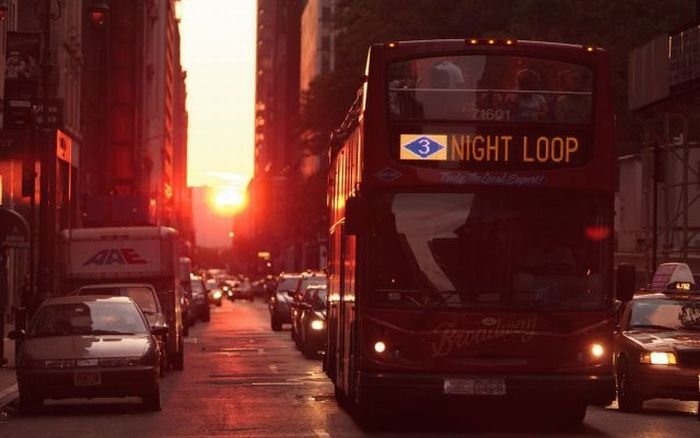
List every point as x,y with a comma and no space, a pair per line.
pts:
140,59
276,119
317,53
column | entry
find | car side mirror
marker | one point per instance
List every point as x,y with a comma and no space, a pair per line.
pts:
16,335
356,215
159,330
625,281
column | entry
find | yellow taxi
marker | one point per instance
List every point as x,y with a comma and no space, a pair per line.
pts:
657,342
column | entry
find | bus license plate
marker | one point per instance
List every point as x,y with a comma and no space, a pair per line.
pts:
475,386
87,378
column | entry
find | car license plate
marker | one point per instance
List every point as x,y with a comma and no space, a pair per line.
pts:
87,378
475,386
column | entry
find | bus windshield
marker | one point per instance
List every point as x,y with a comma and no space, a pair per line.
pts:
506,249
489,87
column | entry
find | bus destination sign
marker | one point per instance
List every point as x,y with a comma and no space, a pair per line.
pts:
512,150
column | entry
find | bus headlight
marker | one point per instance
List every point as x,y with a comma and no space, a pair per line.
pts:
658,358
597,350
379,347
317,324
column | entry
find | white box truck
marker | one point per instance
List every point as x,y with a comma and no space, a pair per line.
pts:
139,254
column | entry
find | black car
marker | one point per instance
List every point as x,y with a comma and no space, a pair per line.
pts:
87,347
199,304
281,299
657,345
310,321
306,280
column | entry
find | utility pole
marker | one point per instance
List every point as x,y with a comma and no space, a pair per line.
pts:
47,155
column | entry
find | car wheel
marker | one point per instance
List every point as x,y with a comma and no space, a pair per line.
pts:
179,359
627,399
275,324
151,401
29,403
163,365
186,324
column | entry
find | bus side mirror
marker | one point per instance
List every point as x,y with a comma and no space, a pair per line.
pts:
356,215
625,282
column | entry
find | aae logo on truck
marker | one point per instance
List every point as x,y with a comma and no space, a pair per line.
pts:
119,256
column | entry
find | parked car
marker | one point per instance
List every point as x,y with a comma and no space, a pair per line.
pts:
280,300
200,299
306,279
310,321
657,344
87,347
145,297
214,292
242,290
188,316
227,287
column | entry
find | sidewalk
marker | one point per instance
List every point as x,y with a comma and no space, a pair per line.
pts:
8,386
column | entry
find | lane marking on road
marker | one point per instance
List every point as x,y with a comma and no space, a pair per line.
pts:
321,433
273,369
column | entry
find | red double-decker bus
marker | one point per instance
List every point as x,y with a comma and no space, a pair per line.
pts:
471,246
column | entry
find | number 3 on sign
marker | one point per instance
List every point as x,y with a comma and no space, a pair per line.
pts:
425,147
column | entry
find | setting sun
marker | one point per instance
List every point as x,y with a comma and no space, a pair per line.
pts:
228,200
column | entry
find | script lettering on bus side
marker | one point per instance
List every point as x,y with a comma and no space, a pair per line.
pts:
490,148
491,178
447,338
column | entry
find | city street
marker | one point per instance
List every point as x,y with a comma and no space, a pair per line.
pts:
242,379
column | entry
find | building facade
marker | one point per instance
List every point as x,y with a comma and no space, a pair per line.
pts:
276,119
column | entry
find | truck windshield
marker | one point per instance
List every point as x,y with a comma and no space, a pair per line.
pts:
515,249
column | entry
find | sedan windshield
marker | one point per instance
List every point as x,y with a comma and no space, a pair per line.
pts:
665,314
492,250
90,318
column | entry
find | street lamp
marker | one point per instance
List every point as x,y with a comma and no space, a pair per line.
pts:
47,157
3,9
97,11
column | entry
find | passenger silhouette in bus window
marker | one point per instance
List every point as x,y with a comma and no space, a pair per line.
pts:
439,87
525,103
574,103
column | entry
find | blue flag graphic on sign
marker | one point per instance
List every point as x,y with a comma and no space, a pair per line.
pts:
424,147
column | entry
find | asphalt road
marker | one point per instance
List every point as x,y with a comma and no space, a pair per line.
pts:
241,379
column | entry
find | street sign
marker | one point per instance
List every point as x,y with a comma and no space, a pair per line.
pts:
49,115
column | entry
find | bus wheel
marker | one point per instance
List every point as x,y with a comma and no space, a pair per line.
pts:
341,398
275,324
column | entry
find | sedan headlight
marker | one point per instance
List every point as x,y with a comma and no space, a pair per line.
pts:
317,324
217,294
658,358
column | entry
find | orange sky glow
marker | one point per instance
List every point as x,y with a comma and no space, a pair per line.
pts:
218,53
